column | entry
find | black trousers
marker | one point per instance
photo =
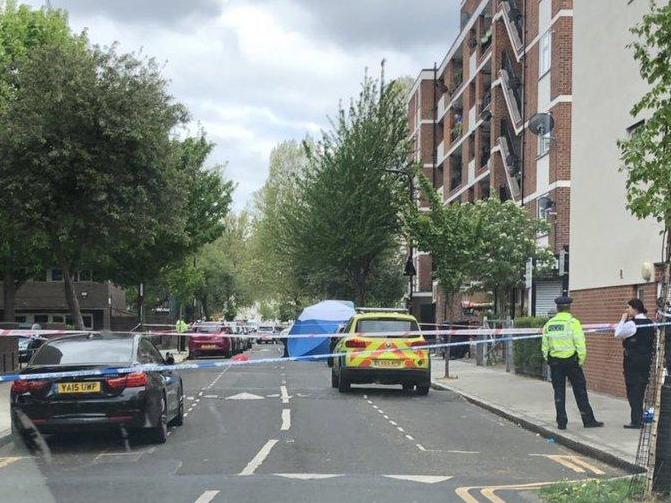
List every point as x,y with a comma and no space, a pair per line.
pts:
560,370
636,377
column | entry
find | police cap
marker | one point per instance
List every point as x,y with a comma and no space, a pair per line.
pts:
563,300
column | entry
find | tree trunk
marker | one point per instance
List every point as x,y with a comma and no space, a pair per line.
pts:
9,288
71,297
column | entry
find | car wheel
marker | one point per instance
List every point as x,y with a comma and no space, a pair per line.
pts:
423,389
159,433
343,384
178,420
334,378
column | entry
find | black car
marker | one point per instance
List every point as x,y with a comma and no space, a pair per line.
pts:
149,400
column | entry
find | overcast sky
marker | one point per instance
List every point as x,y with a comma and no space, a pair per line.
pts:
256,72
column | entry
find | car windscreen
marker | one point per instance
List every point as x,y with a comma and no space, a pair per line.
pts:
387,325
85,352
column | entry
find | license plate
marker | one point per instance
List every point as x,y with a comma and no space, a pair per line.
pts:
79,387
387,363
209,346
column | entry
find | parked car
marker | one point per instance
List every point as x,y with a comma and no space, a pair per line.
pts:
147,400
216,340
265,334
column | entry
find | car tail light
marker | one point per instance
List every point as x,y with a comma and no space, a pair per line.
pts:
356,343
134,380
29,386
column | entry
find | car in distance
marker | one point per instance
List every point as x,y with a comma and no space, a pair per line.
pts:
216,340
148,400
387,359
266,334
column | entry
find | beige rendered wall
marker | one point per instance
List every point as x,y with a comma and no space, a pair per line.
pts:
608,244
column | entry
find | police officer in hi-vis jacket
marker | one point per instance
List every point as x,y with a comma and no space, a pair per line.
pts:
563,347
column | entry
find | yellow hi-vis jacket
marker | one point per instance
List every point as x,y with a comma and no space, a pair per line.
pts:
181,326
562,337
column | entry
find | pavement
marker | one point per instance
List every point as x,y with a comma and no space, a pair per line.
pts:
529,402
279,432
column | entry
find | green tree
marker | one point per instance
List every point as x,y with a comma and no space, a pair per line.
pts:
23,251
89,132
447,233
345,213
505,239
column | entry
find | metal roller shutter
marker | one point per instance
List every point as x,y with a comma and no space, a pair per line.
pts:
546,292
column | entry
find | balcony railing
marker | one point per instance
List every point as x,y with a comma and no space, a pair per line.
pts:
458,79
513,19
440,151
455,179
456,132
486,41
512,172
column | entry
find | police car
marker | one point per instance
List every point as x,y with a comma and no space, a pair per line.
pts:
387,359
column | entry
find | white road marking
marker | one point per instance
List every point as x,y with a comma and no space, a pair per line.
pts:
464,452
285,394
9,460
210,396
286,419
421,447
244,396
206,497
380,411
274,395
308,476
409,437
186,414
400,429
375,407
385,416
424,479
365,396
259,458
200,393
370,402
393,423
189,398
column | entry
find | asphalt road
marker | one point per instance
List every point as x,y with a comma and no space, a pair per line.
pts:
280,433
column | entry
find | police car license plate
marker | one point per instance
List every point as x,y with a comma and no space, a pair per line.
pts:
79,387
387,363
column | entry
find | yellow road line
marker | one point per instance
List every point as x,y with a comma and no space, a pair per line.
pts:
8,460
580,461
566,461
489,491
463,493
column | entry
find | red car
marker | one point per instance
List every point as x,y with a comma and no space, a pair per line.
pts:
216,340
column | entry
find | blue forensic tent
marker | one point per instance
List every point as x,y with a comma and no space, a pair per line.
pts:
322,318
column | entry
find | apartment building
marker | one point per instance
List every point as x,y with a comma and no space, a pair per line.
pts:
469,119
613,255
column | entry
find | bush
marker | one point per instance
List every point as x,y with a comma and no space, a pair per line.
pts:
527,354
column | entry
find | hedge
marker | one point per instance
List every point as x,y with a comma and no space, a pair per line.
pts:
527,353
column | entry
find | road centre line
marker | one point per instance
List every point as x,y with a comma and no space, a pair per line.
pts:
285,394
206,497
409,437
259,458
286,419
420,447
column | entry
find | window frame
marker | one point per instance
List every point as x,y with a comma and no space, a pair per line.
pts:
544,48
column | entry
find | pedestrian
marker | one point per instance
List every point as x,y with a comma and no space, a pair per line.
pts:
181,327
637,332
564,349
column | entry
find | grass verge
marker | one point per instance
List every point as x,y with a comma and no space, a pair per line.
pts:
593,491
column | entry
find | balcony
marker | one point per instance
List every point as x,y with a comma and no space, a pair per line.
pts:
511,162
512,89
442,105
458,79
486,41
456,132
440,152
512,17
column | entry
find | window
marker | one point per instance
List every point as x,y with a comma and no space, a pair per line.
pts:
20,319
544,144
56,274
147,353
85,275
41,318
545,207
545,53
57,318
87,318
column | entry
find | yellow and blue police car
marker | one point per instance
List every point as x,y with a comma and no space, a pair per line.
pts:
382,359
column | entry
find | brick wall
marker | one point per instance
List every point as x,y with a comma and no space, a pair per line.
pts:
562,56
427,99
557,5
560,148
424,273
604,354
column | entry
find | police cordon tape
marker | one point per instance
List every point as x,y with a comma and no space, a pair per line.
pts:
410,333
206,364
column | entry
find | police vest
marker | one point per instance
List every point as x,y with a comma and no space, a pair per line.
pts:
643,341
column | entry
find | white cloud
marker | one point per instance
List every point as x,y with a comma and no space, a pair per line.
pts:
256,72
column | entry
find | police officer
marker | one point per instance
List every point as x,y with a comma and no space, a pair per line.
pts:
563,347
638,339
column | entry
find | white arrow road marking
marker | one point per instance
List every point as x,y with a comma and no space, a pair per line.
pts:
308,476
210,396
286,419
206,497
424,479
274,395
244,396
259,458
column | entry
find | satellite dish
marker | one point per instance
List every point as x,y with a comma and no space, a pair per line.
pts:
541,124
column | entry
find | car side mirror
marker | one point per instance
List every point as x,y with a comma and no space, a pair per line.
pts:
169,359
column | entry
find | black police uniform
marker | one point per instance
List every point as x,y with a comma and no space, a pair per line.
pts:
638,353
